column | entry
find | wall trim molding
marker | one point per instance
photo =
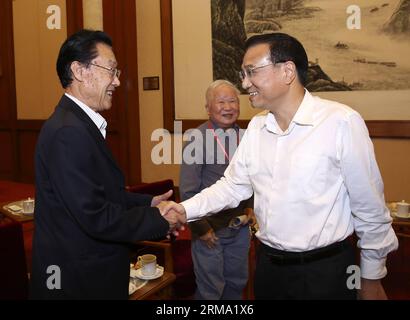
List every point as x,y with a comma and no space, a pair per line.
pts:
398,129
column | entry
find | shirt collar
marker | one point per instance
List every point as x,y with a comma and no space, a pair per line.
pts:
98,119
302,117
215,126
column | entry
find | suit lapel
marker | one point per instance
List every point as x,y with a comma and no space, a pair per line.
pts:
70,106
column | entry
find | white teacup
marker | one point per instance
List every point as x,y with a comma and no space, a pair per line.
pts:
403,209
148,263
28,206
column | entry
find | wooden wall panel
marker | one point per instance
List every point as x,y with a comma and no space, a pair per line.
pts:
25,147
7,93
167,65
123,118
7,84
74,10
6,158
18,137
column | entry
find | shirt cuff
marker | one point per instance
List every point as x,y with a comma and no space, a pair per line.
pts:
191,209
373,269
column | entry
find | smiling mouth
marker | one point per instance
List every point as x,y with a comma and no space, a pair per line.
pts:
252,94
230,116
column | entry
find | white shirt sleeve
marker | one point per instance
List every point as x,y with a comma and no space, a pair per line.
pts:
372,221
227,192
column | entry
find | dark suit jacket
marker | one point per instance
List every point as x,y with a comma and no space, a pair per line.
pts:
84,218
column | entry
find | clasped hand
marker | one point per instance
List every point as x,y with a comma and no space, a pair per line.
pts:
174,213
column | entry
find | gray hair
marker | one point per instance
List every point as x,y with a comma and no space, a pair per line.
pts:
217,83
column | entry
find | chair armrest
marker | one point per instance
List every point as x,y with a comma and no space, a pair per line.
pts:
156,244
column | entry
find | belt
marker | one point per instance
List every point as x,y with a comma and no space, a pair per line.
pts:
286,258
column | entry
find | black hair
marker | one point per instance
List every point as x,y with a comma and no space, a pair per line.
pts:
283,47
81,47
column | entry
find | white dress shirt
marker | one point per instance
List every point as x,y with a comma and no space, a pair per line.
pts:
314,184
98,119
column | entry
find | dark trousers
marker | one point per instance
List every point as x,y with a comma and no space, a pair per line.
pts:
280,275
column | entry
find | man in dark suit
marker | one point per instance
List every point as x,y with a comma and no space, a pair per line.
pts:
84,218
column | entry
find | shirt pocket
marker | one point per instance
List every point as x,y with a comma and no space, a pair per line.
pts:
308,176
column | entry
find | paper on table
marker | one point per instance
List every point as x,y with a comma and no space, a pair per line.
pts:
136,284
14,208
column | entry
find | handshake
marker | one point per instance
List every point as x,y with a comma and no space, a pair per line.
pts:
173,212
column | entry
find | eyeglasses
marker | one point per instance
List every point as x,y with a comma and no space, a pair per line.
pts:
250,71
114,71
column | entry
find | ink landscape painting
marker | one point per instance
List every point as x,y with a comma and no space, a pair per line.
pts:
364,46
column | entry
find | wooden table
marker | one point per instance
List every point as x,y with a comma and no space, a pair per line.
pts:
400,225
19,217
157,289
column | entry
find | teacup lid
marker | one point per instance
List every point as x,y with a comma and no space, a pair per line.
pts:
403,202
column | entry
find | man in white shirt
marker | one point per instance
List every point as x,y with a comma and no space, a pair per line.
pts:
311,165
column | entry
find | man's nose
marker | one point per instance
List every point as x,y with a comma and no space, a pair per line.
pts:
227,105
246,83
116,81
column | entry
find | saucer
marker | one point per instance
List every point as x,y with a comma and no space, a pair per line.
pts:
27,213
396,215
158,273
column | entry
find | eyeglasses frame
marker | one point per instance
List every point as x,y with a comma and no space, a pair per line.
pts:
249,71
115,72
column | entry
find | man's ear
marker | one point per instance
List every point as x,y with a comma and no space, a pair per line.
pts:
290,72
207,109
77,69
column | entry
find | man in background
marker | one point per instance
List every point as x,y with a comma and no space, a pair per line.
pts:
220,243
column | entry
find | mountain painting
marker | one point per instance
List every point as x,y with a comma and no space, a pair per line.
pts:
371,55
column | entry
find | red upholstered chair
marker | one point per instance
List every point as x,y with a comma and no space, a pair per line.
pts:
154,188
13,270
174,254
